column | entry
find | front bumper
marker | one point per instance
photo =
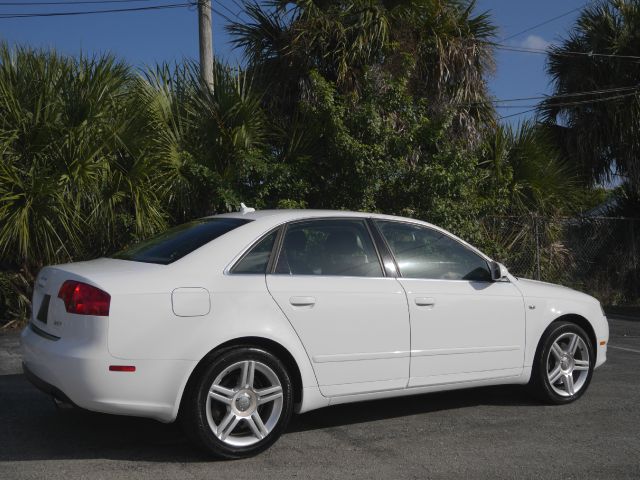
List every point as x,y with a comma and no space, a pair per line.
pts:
602,341
79,374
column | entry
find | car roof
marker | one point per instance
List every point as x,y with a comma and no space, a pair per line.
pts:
276,217
285,215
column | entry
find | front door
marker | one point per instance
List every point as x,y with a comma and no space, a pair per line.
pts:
353,320
464,326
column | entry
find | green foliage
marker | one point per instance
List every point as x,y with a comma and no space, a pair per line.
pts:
540,188
376,106
599,132
377,151
94,156
445,42
526,167
206,142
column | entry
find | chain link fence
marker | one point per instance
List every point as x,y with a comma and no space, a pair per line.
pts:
596,255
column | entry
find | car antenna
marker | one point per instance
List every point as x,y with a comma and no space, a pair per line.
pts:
244,209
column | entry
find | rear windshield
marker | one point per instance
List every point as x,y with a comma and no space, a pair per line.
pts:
179,241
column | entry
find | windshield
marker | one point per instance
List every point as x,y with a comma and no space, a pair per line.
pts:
179,241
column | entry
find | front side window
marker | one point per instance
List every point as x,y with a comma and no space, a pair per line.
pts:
179,241
422,252
329,247
257,259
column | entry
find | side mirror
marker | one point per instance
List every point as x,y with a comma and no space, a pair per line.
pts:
498,271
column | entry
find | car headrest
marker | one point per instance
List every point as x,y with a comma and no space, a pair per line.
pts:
295,240
343,242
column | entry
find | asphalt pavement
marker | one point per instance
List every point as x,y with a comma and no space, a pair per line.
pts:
496,432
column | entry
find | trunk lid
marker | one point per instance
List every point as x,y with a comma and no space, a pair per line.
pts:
49,314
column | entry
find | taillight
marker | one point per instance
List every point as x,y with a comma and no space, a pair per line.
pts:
84,299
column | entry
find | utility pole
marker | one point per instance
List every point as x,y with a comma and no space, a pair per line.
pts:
206,42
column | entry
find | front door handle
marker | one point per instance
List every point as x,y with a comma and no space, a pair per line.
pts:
302,301
425,301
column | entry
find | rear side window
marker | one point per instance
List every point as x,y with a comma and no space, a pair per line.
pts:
329,247
256,261
179,241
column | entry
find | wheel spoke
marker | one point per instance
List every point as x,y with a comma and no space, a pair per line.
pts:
555,375
227,425
568,383
269,394
259,423
573,344
557,351
221,394
254,428
581,365
247,374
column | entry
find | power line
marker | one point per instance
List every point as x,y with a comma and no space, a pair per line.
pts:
570,104
550,97
238,4
92,12
519,113
228,10
80,2
595,100
219,13
545,22
500,46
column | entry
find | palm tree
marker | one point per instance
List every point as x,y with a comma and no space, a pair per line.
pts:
94,156
61,124
442,42
67,181
525,170
599,131
453,56
525,162
206,141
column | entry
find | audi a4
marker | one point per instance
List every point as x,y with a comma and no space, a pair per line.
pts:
232,323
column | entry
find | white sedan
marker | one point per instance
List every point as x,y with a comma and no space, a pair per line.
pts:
231,323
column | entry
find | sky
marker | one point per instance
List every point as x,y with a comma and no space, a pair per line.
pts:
144,38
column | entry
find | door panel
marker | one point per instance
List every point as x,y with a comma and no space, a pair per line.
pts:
463,325
352,320
355,330
466,331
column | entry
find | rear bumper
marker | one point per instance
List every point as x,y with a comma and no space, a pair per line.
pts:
44,386
79,374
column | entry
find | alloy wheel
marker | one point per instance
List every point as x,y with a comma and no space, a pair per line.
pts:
568,364
244,403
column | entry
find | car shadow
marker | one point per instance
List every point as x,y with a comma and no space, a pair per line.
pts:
34,429
374,410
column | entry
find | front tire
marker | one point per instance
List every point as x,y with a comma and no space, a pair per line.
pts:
240,403
563,365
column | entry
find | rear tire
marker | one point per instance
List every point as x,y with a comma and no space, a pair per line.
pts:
563,365
239,404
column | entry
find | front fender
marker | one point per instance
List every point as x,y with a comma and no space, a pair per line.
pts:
541,312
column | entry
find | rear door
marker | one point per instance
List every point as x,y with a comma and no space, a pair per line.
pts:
464,326
351,318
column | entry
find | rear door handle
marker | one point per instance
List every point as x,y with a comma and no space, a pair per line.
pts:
302,301
425,301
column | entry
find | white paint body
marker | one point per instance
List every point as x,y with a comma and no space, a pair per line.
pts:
351,338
